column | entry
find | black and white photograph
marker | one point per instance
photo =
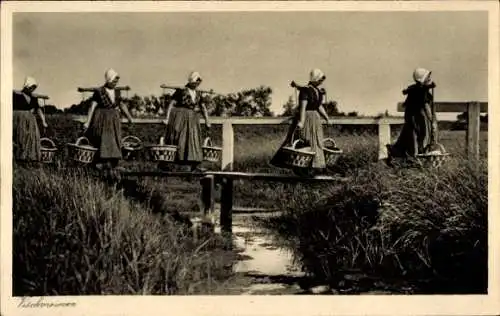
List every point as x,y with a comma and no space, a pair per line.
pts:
262,158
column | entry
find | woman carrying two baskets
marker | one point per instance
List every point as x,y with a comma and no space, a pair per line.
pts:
25,133
183,123
307,121
103,127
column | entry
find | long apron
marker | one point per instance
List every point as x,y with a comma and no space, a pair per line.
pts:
104,132
25,137
415,135
184,130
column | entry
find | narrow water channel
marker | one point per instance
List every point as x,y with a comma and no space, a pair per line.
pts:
269,268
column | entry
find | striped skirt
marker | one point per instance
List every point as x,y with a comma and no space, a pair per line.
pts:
311,133
184,130
105,133
25,137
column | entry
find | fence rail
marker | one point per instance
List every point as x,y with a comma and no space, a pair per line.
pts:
474,109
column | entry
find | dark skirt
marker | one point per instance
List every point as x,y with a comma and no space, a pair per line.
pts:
104,133
25,137
311,133
184,130
415,135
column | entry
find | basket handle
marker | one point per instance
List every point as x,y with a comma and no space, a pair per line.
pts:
295,142
207,142
330,141
47,140
131,137
443,150
80,139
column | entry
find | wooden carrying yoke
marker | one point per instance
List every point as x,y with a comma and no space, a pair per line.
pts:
164,86
92,89
36,95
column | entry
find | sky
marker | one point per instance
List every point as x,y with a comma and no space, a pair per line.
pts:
368,57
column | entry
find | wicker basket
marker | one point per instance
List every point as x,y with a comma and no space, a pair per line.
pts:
435,157
331,151
131,146
161,152
210,152
47,153
298,158
82,152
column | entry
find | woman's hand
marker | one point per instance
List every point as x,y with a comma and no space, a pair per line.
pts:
207,124
45,125
165,121
300,124
85,126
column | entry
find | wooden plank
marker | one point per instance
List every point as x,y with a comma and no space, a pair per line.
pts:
164,174
227,146
92,89
457,107
384,138
473,130
226,207
275,177
234,175
268,121
253,210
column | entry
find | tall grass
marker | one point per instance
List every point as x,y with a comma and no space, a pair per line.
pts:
73,235
426,227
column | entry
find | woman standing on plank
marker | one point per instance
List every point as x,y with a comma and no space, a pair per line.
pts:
420,126
103,126
183,122
25,133
307,120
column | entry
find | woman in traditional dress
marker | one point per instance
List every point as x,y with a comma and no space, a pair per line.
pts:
420,123
183,123
307,121
26,134
103,126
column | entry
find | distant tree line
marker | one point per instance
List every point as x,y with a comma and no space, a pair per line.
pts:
250,102
255,102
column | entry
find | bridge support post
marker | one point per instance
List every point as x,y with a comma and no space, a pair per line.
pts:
207,194
226,209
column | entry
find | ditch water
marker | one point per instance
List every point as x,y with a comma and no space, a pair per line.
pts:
267,268
264,268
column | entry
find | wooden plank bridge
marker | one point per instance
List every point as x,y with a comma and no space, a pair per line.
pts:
225,179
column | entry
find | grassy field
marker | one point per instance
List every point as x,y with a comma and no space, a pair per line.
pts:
411,226
254,147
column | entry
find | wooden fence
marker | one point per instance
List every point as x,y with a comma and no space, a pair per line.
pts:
474,109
